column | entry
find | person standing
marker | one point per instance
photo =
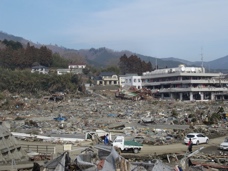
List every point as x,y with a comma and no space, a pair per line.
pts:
190,144
106,141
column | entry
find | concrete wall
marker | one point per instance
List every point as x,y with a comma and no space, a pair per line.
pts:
9,148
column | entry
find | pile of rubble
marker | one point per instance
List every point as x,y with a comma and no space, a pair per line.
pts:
133,93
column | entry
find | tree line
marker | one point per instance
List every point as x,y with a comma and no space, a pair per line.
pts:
133,64
14,56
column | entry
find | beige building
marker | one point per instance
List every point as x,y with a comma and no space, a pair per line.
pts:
107,78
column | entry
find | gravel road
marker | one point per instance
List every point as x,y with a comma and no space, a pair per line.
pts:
211,147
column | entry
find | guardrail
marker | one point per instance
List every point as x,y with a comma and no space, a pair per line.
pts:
44,149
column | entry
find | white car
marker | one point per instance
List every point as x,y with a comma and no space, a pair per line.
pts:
224,144
197,138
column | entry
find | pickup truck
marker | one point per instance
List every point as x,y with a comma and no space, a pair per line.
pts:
126,145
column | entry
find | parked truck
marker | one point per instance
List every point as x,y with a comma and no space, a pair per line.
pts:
127,145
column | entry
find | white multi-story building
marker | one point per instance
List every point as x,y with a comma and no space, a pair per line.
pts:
186,83
130,80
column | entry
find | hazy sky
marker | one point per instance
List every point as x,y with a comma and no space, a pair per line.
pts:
158,28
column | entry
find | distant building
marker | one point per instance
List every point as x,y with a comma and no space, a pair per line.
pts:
76,66
40,69
72,68
185,83
68,71
107,78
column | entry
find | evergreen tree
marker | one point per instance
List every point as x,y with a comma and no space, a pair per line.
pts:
133,64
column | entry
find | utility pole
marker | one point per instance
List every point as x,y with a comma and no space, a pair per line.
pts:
156,63
201,57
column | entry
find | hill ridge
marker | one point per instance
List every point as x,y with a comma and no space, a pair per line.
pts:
103,56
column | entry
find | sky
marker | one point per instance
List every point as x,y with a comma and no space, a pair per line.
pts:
187,29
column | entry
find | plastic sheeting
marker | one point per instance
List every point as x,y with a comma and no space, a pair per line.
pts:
156,165
59,163
110,161
85,165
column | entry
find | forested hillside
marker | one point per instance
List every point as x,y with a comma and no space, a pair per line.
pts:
15,70
13,55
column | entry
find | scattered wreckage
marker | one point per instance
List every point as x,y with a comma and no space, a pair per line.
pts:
56,97
95,136
105,158
60,118
90,114
147,119
44,138
133,93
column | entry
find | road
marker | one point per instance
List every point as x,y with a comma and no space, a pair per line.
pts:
211,147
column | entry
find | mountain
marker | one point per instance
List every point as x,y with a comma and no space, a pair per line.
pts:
221,63
103,57
160,63
217,64
178,60
11,37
